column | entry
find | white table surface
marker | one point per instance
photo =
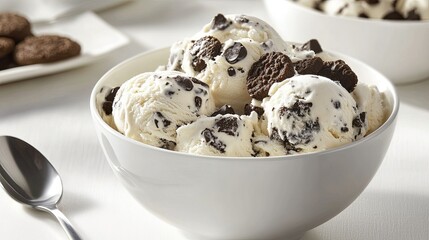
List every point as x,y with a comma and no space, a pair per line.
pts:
52,113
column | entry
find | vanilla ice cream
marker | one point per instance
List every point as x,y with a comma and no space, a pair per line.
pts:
149,107
222,53
371,106
311,113
220,135
236,89
376,9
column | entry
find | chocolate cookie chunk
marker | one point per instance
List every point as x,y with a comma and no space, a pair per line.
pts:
394,15
220,22
45,49
235,53
212,140
108,103
313,45
241,19
207,47
249,108
341,72
225,109
363,15
167,144
6,46
413,15
270,68
228,125
14,26
309,66
372,2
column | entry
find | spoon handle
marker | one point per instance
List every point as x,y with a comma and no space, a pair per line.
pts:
65,223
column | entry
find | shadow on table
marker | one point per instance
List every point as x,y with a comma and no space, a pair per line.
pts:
378,215
416,94
70,205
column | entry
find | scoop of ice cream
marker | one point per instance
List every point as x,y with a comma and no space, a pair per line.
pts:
376,9
236,27
220,135
311,113
222,53
226,74
371,106
149,107
414,9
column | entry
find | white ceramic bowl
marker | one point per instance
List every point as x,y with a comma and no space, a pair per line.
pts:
242,198
399,50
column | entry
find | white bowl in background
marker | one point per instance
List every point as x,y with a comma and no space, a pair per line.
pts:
398,49
242,198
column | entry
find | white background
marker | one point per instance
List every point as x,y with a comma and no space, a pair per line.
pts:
52,113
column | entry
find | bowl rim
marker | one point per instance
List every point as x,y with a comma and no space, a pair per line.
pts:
381,22
99,120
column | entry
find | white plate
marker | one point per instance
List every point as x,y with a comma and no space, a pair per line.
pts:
95,36
48,10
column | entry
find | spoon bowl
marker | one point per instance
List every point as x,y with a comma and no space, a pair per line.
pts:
29,178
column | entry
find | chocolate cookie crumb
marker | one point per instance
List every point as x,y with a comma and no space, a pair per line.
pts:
225,109
220,22
394,15
184,83
313,45
248,109
413,15
231,72
212,140
235,53
228,125
167,144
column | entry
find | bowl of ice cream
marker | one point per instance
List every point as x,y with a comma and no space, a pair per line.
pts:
215,173
394,47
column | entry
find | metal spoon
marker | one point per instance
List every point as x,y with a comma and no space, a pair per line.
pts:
28,177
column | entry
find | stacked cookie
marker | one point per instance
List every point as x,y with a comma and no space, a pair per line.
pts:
19,46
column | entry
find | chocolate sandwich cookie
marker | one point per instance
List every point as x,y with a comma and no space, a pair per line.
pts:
341,72
205,48
309,66
6,46
14,26
45,49
270,68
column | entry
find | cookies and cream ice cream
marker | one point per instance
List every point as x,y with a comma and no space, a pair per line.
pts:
222,53
151,106
311,113
375,9
237,89
220,135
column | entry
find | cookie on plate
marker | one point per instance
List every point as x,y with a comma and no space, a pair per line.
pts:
45,49
6,46
14,26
